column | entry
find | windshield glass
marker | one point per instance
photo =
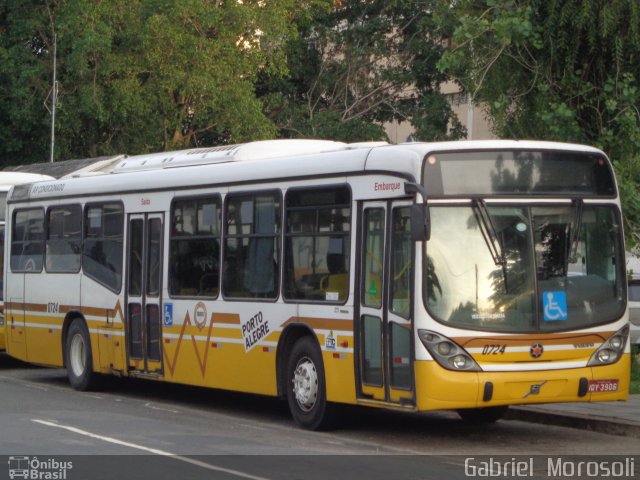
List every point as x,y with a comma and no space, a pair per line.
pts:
524,269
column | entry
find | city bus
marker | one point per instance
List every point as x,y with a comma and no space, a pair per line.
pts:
8,180
468,276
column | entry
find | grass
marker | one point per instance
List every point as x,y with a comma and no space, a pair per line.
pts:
635,370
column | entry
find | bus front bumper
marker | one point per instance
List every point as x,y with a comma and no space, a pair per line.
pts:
438,388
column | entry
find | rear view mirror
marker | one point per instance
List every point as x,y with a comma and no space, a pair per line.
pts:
420,222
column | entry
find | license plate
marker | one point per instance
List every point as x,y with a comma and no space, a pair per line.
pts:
597,386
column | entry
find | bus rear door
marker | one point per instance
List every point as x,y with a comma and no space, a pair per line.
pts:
144,288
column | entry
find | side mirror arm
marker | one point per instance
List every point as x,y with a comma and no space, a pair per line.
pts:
420,216
411,188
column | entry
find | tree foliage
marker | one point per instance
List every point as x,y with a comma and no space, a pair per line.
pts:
560,70
360,64
138,75
145,75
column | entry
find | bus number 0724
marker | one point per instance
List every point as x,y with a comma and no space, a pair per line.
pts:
493,349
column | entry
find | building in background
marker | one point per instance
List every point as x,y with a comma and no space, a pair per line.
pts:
473,117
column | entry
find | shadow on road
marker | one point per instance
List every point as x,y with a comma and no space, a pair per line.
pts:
361,421
8,362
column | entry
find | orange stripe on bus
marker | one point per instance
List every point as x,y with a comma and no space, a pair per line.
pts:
322,323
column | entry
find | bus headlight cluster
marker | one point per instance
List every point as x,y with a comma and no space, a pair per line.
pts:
448,354
611,350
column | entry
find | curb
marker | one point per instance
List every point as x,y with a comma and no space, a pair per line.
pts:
582,422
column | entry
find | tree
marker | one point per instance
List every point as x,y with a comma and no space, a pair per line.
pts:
559,70
24,82
360,64
137,76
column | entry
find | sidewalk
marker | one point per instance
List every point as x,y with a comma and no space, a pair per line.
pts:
615,418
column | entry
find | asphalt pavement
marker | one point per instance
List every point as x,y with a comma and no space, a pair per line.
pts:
614,418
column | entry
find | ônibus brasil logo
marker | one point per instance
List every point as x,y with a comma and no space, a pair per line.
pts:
32,468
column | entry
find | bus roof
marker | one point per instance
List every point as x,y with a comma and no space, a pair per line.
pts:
260,150
9,179
270,160
271,149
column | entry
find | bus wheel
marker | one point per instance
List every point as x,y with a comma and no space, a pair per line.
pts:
306,393
78,356
483,415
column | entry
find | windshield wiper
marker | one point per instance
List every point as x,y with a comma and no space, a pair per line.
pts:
574,233
489,233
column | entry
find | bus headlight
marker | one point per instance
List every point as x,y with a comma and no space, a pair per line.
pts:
459,362
611,350
616,342
448,354
445,348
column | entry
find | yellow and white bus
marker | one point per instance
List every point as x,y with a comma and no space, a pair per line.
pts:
459,275
8,180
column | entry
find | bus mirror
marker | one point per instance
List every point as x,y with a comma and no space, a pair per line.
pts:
420,222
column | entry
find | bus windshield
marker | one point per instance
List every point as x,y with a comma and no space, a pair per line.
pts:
514,268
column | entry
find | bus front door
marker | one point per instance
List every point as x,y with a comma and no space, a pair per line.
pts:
144,288
384,326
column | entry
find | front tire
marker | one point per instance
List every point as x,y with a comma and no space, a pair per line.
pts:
78,357
306,387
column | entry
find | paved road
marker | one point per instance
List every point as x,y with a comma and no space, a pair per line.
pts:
165,431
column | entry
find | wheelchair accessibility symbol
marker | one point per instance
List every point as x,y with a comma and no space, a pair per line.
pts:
168,315
555,306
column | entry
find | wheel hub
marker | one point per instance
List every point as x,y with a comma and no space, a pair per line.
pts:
305,384
77,356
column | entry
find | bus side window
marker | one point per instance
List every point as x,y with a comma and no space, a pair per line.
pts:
64,238
27,242
252,253
194,256
317,240
103,243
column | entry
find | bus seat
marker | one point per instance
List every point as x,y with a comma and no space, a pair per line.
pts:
337,282
209,284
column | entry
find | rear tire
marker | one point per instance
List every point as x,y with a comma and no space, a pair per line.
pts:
483,415
78,357
306,387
